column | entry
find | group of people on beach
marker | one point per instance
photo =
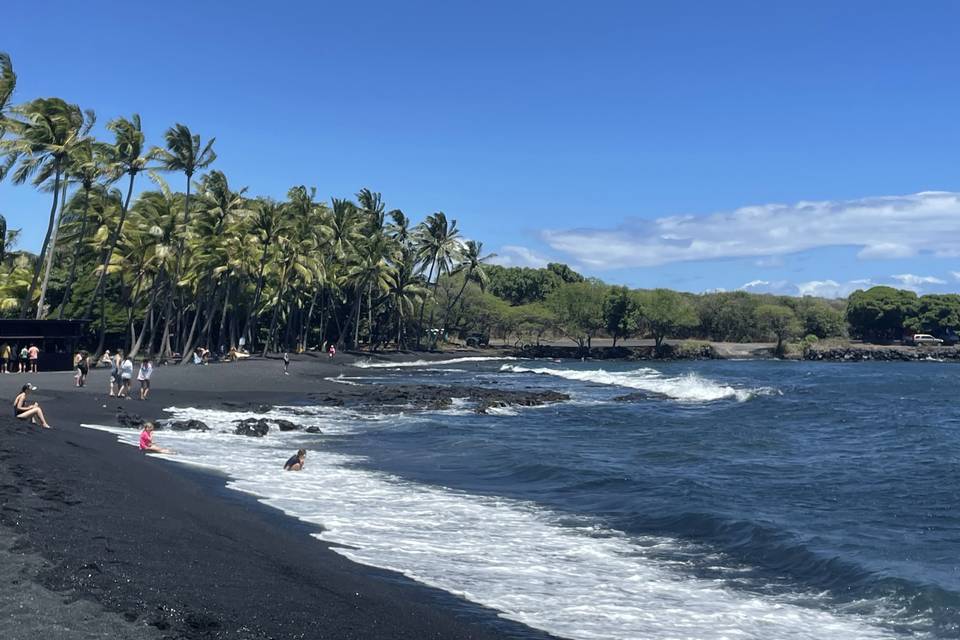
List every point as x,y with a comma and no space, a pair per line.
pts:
121,374
25,362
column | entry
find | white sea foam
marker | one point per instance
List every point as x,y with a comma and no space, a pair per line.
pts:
533,565
366,364
688,387
341,379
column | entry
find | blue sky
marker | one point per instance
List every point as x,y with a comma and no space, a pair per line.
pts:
694,145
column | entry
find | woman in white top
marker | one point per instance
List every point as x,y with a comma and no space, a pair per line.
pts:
126,375
146,370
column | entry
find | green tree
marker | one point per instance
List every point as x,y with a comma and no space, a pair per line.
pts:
620,313
578,309
666,313
879,313
780,320
47,131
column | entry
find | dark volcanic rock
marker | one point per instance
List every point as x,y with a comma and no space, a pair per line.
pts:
188,425
252,427
499,399
639,396
285,425
313,430
436,398
129,420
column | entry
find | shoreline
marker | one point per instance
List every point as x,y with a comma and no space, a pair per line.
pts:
155,544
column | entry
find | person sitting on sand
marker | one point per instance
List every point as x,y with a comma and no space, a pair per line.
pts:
146,440
297,461
31,412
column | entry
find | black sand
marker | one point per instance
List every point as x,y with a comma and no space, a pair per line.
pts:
151,549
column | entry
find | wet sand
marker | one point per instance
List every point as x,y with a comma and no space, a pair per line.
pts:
100,541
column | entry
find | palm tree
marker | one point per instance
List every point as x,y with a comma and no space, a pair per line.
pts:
438,246
87,166
8,82
268,224
406,292
125,157
185,152
49,129
471,266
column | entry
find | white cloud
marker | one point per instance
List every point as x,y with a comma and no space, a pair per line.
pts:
517,256
916,283
831,288
955,274
882,227
765,286
885,251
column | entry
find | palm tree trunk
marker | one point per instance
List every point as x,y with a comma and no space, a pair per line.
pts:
52,250
423,303
76,254
256,297
25,305
309,318
108,251
356,326
450,306
223,317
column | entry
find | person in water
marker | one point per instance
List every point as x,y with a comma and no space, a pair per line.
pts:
146,440
296,461
31,412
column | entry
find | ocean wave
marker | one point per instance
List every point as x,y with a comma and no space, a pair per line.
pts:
689,387
557,572
366,364
341,379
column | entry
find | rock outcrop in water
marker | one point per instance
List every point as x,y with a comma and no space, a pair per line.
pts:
259,427
252,427
129,420
396,398
187,425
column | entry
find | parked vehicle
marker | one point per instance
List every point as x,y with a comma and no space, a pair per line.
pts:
477,340
950,337
925,339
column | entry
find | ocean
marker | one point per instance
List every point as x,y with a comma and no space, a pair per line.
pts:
721,499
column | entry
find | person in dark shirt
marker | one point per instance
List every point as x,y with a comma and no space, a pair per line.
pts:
297,461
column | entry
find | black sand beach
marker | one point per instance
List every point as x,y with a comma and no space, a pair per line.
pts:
100,541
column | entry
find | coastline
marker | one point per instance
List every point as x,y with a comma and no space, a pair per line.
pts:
166,550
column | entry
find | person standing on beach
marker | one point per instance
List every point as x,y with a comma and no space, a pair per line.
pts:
31,412
33,354
297,461
126,375
83,368
146,440
24,354
286,363
331,352
146,370
5,353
